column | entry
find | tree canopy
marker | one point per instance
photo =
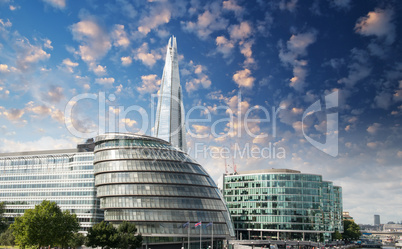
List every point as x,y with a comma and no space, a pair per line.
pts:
45,225
3,222
351,230
127,237
105,235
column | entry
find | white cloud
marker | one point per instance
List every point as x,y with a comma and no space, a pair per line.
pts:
4,68
156,18
377,23
147,58
358,69
150,84
243,78
119,36
69,65
241,31
126,61
372,129
200,79
245,49
60,4
233,6
104,81
95,42
129,122
207,23
12,114
224,46
296,47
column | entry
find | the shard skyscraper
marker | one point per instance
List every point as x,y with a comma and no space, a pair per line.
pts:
169,123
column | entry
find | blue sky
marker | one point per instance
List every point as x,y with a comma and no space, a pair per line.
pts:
239,60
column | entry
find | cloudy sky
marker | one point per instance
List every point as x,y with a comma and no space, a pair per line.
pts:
309,85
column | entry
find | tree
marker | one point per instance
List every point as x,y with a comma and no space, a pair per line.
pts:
3,222
45,225
351,230
77,240
102,235
337,235
127,237
7,238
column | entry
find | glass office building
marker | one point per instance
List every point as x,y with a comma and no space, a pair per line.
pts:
283,204
161,189
63,176
169,123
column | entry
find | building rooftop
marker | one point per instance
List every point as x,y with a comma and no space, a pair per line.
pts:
262,171
88,146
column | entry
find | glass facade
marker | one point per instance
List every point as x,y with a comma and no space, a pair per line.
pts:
65,177
169,123
283,204
159,187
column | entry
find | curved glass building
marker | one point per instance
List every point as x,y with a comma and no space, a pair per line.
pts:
283,204
160,188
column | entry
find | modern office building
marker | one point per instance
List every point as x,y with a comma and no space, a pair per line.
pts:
161,189
283,204
169,123
377,220
63,176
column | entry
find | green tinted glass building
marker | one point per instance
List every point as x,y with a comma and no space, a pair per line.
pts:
283,204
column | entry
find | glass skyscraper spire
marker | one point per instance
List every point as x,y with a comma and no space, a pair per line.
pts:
169,124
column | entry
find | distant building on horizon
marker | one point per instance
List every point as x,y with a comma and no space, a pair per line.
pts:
283,204
377,220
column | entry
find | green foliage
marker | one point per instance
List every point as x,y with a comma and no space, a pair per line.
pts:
105,235
7,238
351,230
127,237
77,240
102,235
336,236
3,222
45,225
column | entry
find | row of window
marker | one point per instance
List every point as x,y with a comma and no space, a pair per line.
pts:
163,215
151,177
301,198
277,219
130,143
49,185
162,202
157,190
273,204
273,184
73,211
276,191
292,205
44,160
273,176
148,165
59,202
142,153
177,228
285,226
45,194
44,169
275,211
46,177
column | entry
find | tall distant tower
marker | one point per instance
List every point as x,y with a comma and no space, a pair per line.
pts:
169,123
377,220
